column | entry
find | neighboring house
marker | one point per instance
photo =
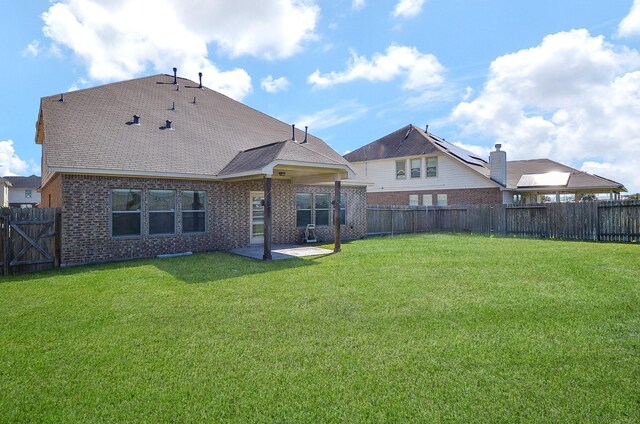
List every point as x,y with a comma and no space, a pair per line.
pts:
4,193
413,167
162,165
23,192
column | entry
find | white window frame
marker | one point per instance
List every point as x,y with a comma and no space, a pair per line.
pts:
427,199
442,200
304,209
401,174
434,167
122,212
152,212
328,209
414,200
198,211
412,167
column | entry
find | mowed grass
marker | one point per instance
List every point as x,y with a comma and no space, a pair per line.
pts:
419,328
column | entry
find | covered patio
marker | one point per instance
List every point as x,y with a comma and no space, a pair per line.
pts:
293,161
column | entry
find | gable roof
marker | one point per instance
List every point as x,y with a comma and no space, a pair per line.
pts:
92,130
32,181
413,141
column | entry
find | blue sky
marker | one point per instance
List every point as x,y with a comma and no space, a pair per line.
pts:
557,79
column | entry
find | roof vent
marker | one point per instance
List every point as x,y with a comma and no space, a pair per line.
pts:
177,87
293,130
305,135
194,100
167,125
408,132
173,106
175,75
61,98
427,129
200,76
136,120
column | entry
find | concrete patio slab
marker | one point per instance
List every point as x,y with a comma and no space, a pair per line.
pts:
281,251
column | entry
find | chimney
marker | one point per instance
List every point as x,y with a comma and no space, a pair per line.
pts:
136,120
498,165
200,76
175,75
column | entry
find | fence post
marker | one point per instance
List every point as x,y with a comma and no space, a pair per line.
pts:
58,240
7,247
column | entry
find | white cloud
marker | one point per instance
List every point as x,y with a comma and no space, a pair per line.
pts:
10,163
420,71
119,39
80,83
271,85
32,49
630,25
408,8
332,117
357,4
573,98
624,171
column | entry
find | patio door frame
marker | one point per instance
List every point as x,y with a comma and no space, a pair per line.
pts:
255,239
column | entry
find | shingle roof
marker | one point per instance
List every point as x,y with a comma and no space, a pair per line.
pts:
577,179
32,181
92,129
413,141
407,141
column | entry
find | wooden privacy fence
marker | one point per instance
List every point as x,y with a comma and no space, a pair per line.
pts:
30,240
596,221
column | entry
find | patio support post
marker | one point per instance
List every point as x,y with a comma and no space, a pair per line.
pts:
267,220
336,218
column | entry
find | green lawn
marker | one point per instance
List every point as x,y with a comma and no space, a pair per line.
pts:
418,328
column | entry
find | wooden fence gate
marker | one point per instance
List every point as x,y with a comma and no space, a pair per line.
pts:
30,240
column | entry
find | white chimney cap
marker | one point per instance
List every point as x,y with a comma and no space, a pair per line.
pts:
498,146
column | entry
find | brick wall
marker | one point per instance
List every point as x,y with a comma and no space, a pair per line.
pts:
475,196
86,216
51,194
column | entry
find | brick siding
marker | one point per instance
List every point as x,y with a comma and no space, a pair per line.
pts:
86,216
474,196
51,194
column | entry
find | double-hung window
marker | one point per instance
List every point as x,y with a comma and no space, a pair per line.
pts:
303,209
401,170
126,212
27,193
322,209
343,208
416,167
194,211
162,211
432,167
